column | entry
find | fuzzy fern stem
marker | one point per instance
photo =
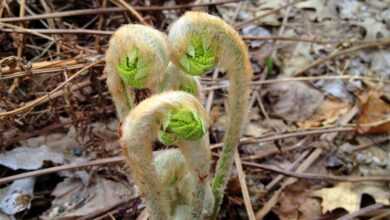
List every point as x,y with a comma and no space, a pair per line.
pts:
179,116
199,42
136,59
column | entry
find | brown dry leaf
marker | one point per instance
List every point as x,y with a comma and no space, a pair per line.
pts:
324,9
265,8
296,203
374,29
329,111
348,195
74,199
294,101
375,114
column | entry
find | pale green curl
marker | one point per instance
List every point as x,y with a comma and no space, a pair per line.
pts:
182,124
190,86
133,70
200,57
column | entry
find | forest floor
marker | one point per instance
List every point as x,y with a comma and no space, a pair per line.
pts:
316,145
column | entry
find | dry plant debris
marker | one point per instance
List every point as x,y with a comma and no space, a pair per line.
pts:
319,102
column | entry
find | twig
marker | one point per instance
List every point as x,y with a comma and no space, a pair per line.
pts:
381,216
61,168
51,23
305,133
291,167
304,78
99,27
314,176
210,97
82,12
282,38
244,23
244,187
362,211
290,134
303,167
20,40
119,159
132,11
310,78
381,43
25,30
269,152
367,145
30,105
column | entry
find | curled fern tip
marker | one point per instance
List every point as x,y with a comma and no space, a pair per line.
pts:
200,57
132,70
182,124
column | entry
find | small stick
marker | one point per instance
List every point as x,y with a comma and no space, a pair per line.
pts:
45,98
380,43
362,211
20,39
82,12
244,187
303,167
261,167
133,11
244,23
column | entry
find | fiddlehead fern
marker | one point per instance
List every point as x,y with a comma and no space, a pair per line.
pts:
199,42
182,117
136,59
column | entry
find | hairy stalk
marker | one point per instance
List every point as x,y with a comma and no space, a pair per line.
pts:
199,42
136,59
178,118
176,79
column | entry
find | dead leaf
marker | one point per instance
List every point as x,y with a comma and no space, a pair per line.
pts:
296,58
380,63
348,195
254,130
323,9
74,199
294,101
327,113
375,114
374,29
265,8
336,88
17,158
296,203
17,196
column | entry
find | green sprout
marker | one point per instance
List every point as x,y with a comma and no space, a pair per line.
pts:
200,57
182,124
132,70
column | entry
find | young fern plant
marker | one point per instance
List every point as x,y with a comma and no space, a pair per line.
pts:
137,58
200,42
175,183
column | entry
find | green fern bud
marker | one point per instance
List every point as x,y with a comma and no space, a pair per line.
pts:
132,70
182,124
200,57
